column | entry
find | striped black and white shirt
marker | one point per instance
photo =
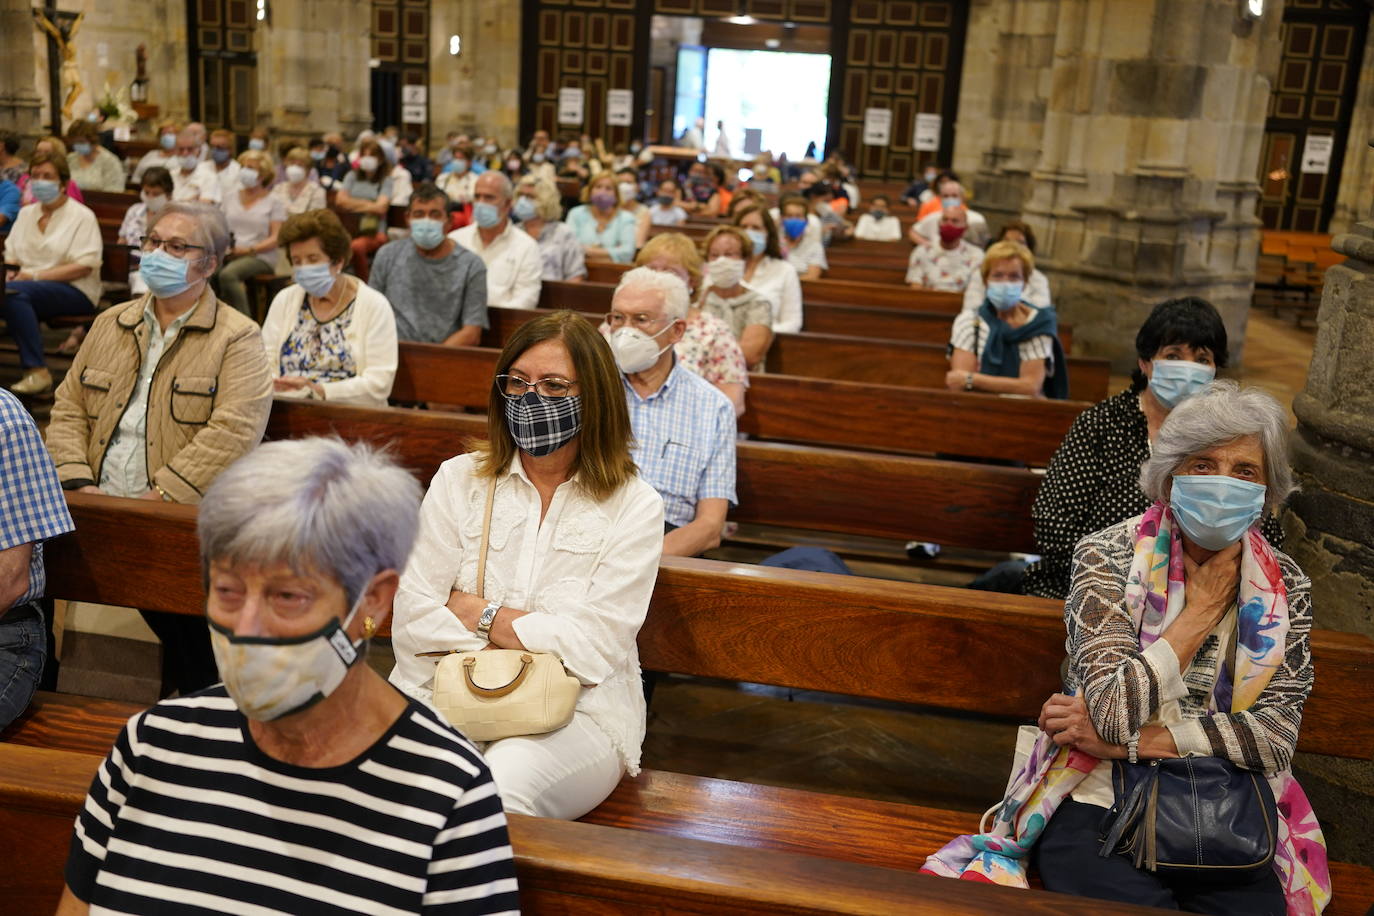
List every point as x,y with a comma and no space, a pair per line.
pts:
187,815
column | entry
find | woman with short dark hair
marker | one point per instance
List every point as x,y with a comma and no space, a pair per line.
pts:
575,540
93,167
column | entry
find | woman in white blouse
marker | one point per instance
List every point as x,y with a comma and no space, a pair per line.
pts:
55,250
329,336
573,553
767,272
255,217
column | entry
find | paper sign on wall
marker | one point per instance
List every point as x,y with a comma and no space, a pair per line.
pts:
877,126
1316,154
619,107
927,133
415,95
571,102
413,114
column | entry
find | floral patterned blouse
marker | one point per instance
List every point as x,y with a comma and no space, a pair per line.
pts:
318,350
711,351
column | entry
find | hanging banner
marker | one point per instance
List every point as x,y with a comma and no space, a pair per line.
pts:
620,105
877,126
927,133
571,104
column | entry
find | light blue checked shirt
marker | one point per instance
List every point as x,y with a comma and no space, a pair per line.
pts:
32,506
684,442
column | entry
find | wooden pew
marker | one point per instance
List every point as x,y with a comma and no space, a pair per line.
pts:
594,300
877,495
879,295
564,868
943,641
856,415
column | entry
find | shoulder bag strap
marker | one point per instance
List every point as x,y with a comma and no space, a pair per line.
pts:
486,537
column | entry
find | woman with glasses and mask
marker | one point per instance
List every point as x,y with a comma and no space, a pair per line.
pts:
165,393
305,783
56,251
329,336
574,544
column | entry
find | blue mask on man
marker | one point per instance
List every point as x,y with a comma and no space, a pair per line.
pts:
1173,380
1004,296
1215,510
486,215
427,233
164,274
219,155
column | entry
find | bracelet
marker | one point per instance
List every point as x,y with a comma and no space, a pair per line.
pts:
166,497
1133,748
968,381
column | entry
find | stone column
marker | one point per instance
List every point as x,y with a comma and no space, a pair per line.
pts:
1353,199
1145,183
21,94
1330,523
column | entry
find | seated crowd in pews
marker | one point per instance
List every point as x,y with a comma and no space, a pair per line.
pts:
605,448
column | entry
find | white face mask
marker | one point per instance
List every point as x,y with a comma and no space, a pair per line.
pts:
269,678
154,202
250,178
634,350
725,272
368,163
295,173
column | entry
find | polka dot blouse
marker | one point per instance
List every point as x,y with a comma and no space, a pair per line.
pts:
1093,482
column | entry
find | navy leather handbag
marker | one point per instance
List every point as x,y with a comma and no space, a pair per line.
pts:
1203,817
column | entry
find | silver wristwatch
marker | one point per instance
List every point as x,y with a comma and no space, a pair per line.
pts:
1133,748
487,619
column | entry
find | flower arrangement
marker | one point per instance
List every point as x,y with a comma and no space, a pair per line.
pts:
115,106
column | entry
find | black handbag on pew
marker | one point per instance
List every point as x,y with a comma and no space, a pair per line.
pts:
1192,816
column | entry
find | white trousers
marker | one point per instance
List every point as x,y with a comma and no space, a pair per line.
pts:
562,774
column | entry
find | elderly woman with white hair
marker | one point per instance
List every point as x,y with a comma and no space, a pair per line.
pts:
538,208
304,782
167,390
1188,636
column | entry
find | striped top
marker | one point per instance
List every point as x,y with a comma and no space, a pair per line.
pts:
187,815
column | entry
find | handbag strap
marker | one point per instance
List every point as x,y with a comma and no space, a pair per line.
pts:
486,537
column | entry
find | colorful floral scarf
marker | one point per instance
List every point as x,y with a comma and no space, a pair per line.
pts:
1154,598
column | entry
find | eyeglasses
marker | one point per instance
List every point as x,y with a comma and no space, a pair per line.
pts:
641,321
175,247
550,386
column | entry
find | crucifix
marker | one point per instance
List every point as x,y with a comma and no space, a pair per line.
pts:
61,27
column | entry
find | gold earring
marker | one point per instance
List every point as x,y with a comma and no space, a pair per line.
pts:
369,627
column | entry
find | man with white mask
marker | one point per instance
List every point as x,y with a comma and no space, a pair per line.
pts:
222,162
684,427
437,288
514,266
193,181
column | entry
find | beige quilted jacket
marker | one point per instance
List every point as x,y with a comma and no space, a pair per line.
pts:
207,406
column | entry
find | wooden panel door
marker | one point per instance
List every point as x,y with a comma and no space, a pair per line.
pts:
1314,95
223,62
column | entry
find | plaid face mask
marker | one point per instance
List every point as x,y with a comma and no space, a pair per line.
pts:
541,426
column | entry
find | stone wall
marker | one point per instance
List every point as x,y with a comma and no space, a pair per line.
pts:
1330,525
313,73
477,92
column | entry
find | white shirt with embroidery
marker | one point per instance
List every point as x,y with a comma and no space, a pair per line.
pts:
584,575
515,268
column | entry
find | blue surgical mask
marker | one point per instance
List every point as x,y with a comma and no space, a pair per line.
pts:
164,274
1215,510
760,240
486,215
525,209
457,166
81,149
317,155
168,141
315,279
427,233
1173,380
44,190
1004,296
255,143
219,155
794,226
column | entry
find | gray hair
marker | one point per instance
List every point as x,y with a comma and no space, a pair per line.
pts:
503,185
1222,412
212,229
319,504
676,299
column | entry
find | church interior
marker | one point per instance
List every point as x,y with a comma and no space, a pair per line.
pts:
850,661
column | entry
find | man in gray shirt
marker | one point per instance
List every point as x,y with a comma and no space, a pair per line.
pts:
437,288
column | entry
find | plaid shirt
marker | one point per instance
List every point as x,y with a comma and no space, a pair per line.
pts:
684,442
32,507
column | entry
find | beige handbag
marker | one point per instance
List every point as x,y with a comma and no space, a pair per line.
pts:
501,693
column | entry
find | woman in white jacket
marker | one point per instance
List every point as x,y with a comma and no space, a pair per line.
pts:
329,336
